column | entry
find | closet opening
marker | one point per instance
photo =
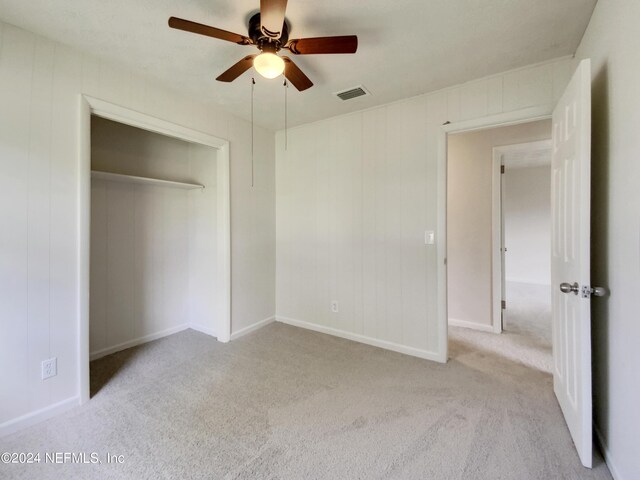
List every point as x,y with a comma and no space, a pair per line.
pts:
158,256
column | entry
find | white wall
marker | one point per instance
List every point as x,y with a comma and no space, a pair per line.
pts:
469,221
153,249
40,85
611,41
527,224
354,195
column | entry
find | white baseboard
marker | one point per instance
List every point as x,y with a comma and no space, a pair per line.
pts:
38,416
251,328
136,341
202,329
607,455
396,347
471,325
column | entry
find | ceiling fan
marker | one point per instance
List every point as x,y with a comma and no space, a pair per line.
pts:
269,32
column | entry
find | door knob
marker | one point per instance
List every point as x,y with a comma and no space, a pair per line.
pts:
568,288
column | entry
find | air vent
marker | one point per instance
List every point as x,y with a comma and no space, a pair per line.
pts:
354,92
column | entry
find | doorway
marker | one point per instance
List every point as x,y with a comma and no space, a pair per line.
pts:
570,245
493,176
525,247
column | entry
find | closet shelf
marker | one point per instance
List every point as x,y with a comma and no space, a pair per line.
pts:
117,177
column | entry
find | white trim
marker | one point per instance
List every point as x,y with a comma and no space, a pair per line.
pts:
497,236
223,226
539,145
84,243
16,424
615,473
120,114
252,328
453,322
503,119
396,347
103,352
441,249
202,329
526,115
90,105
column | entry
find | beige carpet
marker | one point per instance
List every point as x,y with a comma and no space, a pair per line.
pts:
529,312
526,335
285,403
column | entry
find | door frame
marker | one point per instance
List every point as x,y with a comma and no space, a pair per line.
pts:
497,224
93,106
516,117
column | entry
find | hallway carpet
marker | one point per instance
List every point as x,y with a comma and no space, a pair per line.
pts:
286,403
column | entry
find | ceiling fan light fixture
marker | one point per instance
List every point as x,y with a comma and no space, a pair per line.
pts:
269,65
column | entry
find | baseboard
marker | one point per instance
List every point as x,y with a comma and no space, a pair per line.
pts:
251,328
396,347
38,416
203,329
607,455
136,341
471,325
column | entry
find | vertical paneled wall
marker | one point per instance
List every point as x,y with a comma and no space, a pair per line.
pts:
354,196
139,263
40,86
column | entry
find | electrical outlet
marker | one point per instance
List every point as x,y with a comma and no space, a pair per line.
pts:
334,306
49,368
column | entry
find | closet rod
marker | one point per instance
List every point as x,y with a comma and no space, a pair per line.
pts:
118,177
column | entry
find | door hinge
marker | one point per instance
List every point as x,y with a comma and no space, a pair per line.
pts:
501,168
504,305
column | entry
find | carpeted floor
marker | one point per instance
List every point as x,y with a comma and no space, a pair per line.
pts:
285,403
529,312
526,335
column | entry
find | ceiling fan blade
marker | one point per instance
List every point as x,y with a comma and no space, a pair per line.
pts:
309,46
236,70
193,27
295,75
272,17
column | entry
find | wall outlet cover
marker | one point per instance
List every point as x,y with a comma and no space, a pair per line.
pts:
49,368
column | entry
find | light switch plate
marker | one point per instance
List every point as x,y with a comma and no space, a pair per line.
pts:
429,237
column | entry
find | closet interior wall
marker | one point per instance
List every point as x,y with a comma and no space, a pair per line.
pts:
153,247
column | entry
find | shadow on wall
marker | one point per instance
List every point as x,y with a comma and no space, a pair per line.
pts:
600,187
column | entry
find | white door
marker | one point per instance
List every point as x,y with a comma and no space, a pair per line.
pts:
570,262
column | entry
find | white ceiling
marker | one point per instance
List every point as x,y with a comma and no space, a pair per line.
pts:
406,47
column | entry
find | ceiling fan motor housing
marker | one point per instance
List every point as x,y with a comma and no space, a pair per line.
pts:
263,41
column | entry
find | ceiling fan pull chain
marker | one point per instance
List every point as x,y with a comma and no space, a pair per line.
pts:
253,82
286,140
